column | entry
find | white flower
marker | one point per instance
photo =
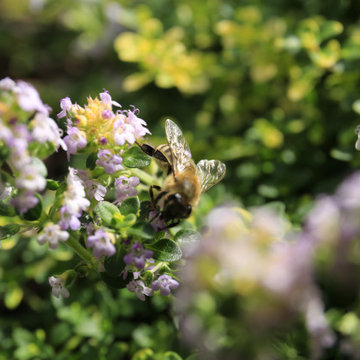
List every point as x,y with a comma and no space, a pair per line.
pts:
52,234
58,287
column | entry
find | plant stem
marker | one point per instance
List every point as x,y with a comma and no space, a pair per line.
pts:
80,251
144,177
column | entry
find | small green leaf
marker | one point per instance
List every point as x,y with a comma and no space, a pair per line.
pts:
35,212
52,184
7,210
145,231
127,221
106,211
91,161
135,158
171,355
115,282
8,230
145,208
130,206
4,153
166,250
115,264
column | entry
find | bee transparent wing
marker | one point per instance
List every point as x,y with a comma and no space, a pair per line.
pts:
211,172
180,150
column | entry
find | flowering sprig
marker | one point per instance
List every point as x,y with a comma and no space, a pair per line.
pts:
97,211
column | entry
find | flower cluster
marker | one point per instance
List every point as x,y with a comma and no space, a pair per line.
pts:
139,261
25,122
268,271
98,126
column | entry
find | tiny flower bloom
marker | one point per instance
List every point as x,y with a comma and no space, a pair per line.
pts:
65,105
110,162
25,201
139,288
29,98
58,287
30,179
123,132
107,114
95,190
46,129
5,191
107,100
101,244
165,284
74,140
156,221
52,234
138,124
125,187
68,219
138,255
7,84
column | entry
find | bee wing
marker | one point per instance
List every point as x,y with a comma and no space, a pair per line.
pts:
211,172
180,150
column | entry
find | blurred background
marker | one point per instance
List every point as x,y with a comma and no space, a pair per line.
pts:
270,88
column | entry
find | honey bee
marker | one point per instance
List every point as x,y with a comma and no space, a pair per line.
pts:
185,180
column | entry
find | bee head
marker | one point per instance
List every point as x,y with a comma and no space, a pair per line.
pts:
176,207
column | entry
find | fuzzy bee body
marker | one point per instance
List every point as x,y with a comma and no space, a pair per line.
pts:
185,181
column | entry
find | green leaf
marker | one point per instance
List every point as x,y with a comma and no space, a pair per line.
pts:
8,231
145,231
135,158
187,237
7,210
91,161
115,282
35,212
166,250
106,211
127,221
130,206
171,355
52,184
115,264
4,153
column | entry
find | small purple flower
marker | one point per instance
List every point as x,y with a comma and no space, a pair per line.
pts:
74,140
110,162
25,201
68,219
123,132
95,190
7,84
138,255
52,234
30,179
58,287
65,105
156,221
107,114
125,187
165,284
138,124
107,100
139,288
101,244
46,129
29,99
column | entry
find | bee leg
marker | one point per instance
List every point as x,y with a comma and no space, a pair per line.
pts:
151,191
173,223
146,148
